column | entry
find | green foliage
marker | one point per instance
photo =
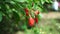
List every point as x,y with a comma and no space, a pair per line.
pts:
14,12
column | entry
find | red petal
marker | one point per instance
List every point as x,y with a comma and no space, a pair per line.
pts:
26,10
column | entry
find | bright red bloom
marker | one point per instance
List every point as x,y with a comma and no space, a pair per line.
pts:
31,21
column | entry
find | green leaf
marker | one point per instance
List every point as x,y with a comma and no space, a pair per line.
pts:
16,17
24,27
35,6
0,16
20,0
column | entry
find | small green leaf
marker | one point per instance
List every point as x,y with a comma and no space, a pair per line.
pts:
0,16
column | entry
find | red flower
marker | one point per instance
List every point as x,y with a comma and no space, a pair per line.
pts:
27,11
31,21
36,20
36,12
